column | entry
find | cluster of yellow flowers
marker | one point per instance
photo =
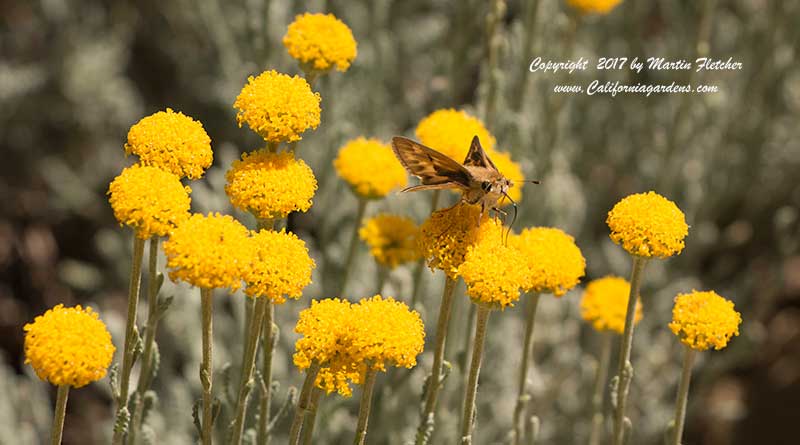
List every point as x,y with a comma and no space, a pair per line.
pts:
320,42
648,225
392,239
370,168
594,6
554,262
279,266
604,302
704,319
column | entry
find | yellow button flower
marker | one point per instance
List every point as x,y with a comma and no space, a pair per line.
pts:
279,266
594,6
278,107
511,170
450,132
704,319
208,251
392,239
387,332
173,142
149,200
555,263
270,185
320,42
446,235
605,303
370,168
648,225
68,346
493,271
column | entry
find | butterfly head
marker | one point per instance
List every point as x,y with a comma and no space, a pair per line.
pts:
498,186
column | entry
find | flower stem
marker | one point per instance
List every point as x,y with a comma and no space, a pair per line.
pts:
266,376
353,248
59,415
527,351
683,395
303,403
364,407
311,417
130,332
599,387
434,385
246,383
625,369
471,389
205,366
383,275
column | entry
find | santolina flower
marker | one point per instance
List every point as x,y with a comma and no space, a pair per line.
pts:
447,234
704,319
173,142
278,107
605,302
555,263
493,271
370,167
320,42
594,6
68,346
450,132
270,185
387,332
392,239
511,170
208,251
149,200
279,266
648,225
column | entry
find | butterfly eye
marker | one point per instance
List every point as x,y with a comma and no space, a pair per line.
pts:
486,185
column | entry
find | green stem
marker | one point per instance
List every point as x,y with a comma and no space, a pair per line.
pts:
625,369
266,375
599,387
205,366
353,248
471,389
248,363
683,394
434,385
59,415
303,403
311,417
383,275
364,407
527,352
130,332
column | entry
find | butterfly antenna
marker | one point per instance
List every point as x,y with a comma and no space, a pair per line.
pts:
529,181
513,219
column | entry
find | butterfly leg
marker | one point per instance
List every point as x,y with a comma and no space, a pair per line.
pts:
503,213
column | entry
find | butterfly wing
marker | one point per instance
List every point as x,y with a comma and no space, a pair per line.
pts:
435,170
477,156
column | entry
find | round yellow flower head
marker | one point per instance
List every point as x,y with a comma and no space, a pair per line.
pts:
511,170
327,339
386,331
173,142
493,271
704,319
270,185
149,200
320,41
605,303
594,6
278,107
208,251
446,235
648,225
370,168
68,346
392,239
555,263
279,266
450,132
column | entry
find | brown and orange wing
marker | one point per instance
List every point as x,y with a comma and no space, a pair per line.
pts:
435,170
477,156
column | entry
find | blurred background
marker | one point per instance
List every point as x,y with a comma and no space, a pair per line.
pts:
74,76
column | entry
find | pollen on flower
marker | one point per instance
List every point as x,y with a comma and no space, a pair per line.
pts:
370,168
392,239
447,234
279,266
493,271
320,42
451,131
605,303
173,142
387,332
278,107
150,200
511,170
555,263
648,225
704,319
270,185
208,251
68,346
594,6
